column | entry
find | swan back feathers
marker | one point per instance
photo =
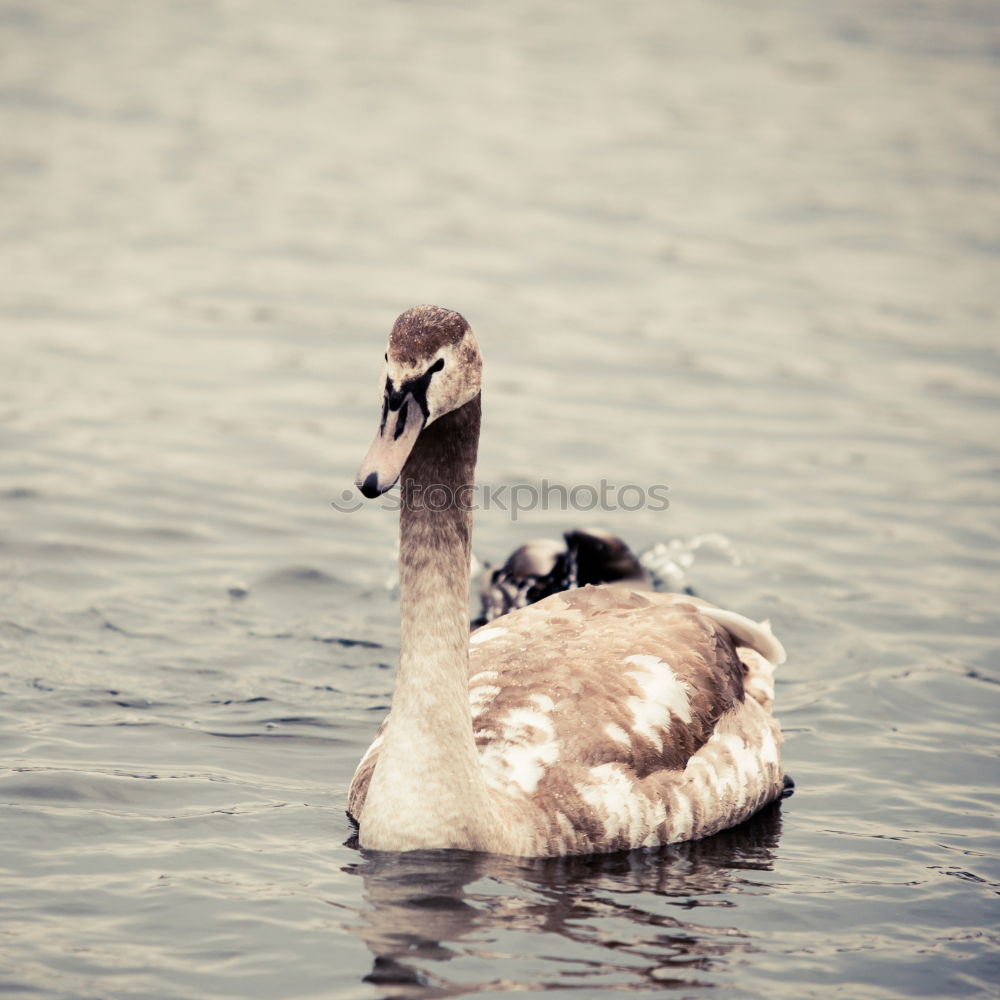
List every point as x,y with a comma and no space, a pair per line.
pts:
618,661
607,718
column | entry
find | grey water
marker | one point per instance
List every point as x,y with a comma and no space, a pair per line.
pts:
747,252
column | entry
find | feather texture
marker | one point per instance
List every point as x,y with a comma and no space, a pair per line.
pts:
597,719
606,719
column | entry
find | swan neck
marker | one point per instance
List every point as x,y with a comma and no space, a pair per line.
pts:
435,541
428,777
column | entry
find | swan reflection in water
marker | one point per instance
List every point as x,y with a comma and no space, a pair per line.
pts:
614,915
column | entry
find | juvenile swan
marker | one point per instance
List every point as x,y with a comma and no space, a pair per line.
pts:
598,719
543,566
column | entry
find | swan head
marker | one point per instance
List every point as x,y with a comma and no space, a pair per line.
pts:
432,366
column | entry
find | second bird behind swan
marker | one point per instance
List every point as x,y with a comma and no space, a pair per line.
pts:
598,719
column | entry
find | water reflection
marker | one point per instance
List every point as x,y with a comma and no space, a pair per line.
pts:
622,920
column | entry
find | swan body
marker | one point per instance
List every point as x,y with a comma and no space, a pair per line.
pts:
598,719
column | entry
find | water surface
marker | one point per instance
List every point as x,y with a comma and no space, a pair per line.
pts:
746,251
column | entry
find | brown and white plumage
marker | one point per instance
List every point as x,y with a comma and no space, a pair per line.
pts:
598,719
660,731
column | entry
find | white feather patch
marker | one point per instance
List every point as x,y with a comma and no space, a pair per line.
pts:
625,814
526,746
681,818
542,702
480,696
485,634
737,765
663,694
615,732
484,677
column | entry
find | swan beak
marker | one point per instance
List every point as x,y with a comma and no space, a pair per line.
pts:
383,465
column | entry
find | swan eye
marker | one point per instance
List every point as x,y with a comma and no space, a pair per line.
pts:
386,355
436,367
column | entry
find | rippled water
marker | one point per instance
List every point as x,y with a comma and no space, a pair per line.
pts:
747,251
